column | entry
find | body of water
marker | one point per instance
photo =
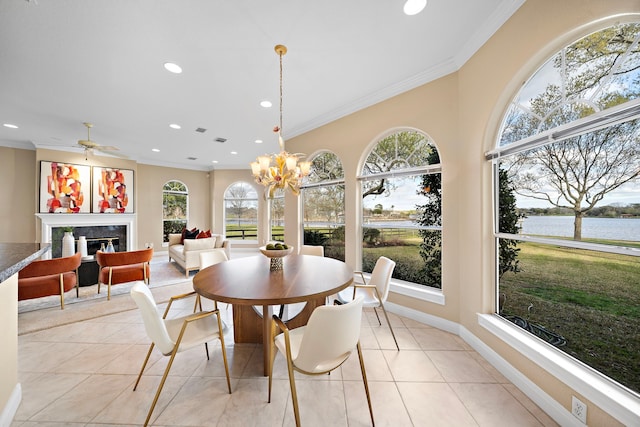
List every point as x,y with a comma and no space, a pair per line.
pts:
594,228
559,226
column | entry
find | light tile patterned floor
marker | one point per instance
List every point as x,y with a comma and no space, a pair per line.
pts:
82,374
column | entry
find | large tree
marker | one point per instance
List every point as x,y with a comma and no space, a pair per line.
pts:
598,72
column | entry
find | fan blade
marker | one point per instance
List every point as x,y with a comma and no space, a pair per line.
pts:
112,151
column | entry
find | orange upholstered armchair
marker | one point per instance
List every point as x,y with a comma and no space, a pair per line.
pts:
48,277
123,267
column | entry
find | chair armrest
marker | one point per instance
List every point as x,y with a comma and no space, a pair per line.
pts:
277,323
364,281
175,298
193,318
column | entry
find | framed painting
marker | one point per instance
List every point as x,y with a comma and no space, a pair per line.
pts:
112,190
63,187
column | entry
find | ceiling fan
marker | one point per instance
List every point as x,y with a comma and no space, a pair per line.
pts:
89,146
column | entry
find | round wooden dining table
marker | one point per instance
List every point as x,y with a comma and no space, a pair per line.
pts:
248,282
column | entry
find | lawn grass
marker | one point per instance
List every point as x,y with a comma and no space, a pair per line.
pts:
590,298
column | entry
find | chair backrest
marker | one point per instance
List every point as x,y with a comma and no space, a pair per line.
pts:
331,335
312,250
112,259
45,267
153,322
381,276
212,257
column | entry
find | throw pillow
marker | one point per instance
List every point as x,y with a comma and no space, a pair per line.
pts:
204,234
191,234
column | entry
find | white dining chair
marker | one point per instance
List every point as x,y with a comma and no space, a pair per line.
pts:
324,344
312,250
175,335
375,293
208,259
212,257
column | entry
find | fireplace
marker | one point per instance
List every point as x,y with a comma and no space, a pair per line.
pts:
97,228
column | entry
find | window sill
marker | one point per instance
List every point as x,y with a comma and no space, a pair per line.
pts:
413,290
619,402
420,292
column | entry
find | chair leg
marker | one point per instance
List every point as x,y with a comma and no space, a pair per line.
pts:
144,364
366,384
390,328
162,381
272,357
224,352
61,291
109,284
376,312
294,395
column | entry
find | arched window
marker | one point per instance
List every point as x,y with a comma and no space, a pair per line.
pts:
175,208
567,228
401,207
323,205
276,216
241,211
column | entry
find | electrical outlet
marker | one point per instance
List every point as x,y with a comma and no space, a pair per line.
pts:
579,409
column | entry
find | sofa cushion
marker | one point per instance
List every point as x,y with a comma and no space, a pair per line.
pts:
174,239
199,244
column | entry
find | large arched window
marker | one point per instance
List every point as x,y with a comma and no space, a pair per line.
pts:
567,228
175,208
276,216
323,205
241,211
401,207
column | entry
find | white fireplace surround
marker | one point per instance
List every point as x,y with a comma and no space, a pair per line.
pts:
49,221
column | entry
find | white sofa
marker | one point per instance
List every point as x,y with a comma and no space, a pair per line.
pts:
187,255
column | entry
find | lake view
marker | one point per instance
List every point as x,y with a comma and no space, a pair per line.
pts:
595,228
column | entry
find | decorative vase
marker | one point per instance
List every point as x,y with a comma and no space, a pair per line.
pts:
68,244
110,247
82,246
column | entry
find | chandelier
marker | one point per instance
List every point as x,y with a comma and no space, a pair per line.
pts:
280,171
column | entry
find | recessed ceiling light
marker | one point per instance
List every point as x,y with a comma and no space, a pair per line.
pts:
155,150
258,141
413,7
266,104
172,68
214,161
9,125
234,152
175,126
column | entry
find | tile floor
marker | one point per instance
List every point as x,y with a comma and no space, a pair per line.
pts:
82,374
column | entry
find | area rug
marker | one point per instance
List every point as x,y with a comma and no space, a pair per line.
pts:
42,313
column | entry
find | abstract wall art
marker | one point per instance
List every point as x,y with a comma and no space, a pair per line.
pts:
63,187
112,190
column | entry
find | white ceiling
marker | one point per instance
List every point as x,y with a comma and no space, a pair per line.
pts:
64,62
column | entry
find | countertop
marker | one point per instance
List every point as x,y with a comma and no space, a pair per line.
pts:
15,256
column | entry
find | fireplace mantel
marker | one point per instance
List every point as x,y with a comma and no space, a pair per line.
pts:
49,221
